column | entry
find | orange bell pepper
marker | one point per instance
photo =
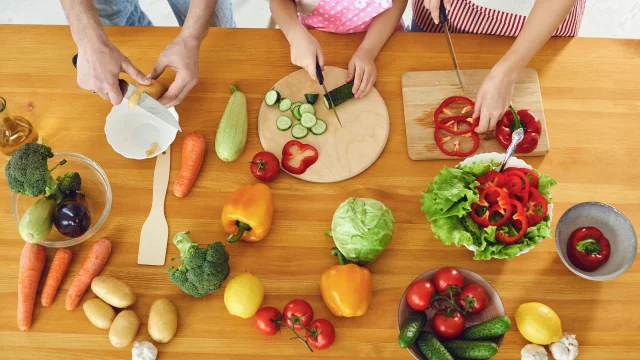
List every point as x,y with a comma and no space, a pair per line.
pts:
346,289
248,213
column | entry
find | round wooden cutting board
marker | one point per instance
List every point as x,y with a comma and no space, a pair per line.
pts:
343,152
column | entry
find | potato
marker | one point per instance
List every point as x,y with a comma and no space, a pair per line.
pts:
163,320
155,90
124,328
113,291
99,313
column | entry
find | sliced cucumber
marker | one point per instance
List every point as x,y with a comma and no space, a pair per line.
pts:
308,120
298,131
296,113
284,105
319,128
272,97
307,108
311,98
296,104
283,123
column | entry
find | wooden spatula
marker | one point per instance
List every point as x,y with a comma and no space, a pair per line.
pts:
155,231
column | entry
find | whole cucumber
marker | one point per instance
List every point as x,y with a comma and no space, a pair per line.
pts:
487,330
432,348
411,328
471,349
232,131
37,221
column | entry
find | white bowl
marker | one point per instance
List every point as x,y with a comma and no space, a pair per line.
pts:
513,162
137,134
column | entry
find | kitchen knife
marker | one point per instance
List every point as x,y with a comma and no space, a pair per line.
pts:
147,103
445,22
321,81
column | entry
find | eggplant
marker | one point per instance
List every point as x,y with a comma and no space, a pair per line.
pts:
72,218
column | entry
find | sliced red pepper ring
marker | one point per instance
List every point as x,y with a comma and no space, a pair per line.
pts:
514,229
491,210
491,178
537,207
454,106
298,157
454,147
531,175
457,125
509,123
517,185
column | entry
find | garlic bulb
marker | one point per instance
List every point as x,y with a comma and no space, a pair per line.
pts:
533,352
144,350
566,348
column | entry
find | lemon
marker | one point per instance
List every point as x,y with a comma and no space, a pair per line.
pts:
243,295
538,323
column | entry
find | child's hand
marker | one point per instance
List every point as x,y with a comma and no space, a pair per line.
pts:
362,69
434,7
304,50
493,98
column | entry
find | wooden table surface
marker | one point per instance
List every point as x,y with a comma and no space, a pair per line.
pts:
590,94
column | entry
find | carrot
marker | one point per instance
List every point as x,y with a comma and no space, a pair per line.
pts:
58,268
95,261
32,262
193,150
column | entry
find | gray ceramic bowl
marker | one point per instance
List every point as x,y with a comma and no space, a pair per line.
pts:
615,226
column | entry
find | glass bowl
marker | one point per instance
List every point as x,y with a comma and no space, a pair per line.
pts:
95,186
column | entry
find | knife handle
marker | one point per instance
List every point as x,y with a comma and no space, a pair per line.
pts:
443,13
319,72
74,61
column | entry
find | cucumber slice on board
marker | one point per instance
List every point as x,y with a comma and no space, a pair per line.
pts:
307,108
298,131
308,120
296,113
296,104
272,97
319,128
283,123
284,105
339,95
311,98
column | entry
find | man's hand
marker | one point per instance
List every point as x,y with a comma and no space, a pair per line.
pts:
100,65
182,56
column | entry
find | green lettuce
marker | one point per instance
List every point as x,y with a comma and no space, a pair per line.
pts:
451,193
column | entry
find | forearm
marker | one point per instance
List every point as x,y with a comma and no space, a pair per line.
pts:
196,25
543,21
86,28
383,26
285,14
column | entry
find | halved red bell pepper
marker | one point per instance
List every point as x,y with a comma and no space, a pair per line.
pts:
517,185
448,102
511,121
514,229
537,207
588,248
493,207
531,175
440,141
298,157
452,124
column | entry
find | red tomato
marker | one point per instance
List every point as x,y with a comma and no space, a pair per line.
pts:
446,277
473,298
322,334
266,320
298,311
419,294
448,326
265,166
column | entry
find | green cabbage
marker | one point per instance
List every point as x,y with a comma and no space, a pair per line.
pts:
361,229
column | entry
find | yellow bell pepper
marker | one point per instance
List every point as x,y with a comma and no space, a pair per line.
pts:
248,213
346,289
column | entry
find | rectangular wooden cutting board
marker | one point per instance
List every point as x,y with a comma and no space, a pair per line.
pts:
423,91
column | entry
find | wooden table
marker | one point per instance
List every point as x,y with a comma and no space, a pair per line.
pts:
590,93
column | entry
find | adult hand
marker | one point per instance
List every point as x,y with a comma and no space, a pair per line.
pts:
99,66
434,7
180,55
362,69
304,50
493,98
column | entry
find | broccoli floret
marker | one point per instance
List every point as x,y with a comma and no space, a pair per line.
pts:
203,269
27,172
69,183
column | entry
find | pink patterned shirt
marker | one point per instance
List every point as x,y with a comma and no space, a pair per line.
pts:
341,16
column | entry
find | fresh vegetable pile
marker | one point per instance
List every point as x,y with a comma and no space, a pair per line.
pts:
498,215
304,113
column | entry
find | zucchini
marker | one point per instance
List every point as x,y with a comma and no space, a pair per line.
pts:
319,128
411,328
272,97
283,123
232,131
339,95
284,105
296,113
308,120
471,349
37,221
487,330
307,108
298,131
311,98
431,348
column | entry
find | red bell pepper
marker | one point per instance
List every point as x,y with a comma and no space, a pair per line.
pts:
491,178
537,207
493,207
531,175
588,248
440,141
511,121
447,105
451,124
298,157
516,227
517,185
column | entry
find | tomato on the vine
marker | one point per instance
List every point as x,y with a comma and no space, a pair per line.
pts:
448,277
473,298
322,334
419,294
298,312
267,320
448,324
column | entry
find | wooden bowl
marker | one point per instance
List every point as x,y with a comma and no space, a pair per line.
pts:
494,307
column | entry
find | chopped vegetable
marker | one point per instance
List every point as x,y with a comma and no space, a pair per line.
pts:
308,120
32,261
493,207
454,125
537,207
35,224
283,123
346,288
298,157
193,150
319,128
285,104
511,121
272,97
27,171
514,229
248,213
58,268
94,262
231,137
456,150
298,131
203,270
295,111
588,249
453,106
339,95
311,98
307,109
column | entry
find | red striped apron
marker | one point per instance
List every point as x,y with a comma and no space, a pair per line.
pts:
467,17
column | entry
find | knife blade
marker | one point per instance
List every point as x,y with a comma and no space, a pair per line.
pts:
147,103
321,81
444,20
